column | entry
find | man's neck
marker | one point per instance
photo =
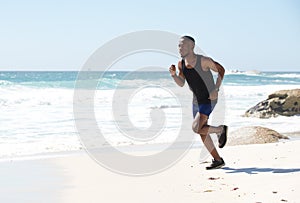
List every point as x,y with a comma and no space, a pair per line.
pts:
191,57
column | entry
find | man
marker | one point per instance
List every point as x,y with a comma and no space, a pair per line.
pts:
196,70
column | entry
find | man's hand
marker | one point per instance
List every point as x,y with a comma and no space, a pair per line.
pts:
172,70
213,95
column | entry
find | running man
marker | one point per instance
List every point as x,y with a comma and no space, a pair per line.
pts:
196,70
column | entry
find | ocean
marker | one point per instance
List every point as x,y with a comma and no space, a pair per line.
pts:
37,107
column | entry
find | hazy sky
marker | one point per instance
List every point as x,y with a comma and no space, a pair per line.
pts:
61,35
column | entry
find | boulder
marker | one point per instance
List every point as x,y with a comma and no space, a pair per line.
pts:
283,102
254,135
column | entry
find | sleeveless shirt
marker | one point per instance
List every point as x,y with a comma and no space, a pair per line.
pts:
200,82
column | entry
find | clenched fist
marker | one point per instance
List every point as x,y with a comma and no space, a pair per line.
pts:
172,70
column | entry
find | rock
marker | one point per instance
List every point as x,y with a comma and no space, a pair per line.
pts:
254,135
283,102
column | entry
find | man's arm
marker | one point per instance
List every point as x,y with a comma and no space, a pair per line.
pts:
207,63
180,79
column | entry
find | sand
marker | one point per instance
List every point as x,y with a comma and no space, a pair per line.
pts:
253,173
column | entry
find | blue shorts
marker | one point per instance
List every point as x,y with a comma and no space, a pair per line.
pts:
205,109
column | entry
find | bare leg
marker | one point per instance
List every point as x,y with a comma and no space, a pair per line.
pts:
204,128
200,126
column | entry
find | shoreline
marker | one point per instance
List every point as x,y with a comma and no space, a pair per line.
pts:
154,147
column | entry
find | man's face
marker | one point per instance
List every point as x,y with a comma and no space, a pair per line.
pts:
185,47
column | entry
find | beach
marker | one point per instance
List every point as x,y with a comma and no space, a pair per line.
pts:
43,157
253,173
92,109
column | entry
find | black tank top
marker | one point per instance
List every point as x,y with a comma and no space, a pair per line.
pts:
200,82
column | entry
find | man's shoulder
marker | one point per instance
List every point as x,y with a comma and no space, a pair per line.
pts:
180,63
206,60
204,57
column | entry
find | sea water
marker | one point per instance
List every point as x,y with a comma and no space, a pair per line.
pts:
37,107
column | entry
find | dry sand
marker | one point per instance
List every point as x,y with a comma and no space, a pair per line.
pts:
253,173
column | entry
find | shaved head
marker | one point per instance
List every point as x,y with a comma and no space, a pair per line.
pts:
188,38
186,45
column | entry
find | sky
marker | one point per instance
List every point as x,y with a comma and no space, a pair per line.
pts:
61,35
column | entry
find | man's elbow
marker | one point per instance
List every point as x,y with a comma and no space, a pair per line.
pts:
222,72
221,69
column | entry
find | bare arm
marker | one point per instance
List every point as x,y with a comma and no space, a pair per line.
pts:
207,63
180,79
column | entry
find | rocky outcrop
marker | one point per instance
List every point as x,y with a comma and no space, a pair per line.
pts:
254,135
283,102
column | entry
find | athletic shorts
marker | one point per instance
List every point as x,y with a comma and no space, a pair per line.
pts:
205,109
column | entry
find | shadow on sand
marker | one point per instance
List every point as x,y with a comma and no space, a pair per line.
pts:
255,170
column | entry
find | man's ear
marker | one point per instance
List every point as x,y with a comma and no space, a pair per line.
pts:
193,46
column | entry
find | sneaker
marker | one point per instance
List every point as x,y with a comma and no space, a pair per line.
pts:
216,164
223,137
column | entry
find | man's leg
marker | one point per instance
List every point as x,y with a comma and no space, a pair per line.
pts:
200,127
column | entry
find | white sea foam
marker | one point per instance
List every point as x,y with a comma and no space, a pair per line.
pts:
5,82
39,120
286,75
36,120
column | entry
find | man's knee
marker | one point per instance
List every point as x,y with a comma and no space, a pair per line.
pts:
195,127
199,122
